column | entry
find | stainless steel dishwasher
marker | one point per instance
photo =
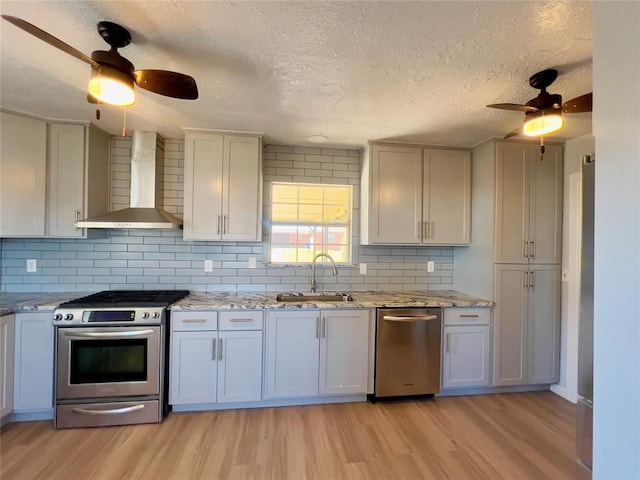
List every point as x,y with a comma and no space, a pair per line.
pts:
407,352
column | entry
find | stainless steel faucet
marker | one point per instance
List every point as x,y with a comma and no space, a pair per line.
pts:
313,268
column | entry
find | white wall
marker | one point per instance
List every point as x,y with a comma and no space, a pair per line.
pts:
573,151
616,81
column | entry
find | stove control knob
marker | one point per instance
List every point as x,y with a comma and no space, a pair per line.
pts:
145,315
68,316
156,314
57,317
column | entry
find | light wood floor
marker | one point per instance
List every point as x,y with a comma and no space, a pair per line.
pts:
509,436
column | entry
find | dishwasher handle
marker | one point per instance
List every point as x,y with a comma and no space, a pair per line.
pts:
409,318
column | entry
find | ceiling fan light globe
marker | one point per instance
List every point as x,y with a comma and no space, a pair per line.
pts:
112,87
537,125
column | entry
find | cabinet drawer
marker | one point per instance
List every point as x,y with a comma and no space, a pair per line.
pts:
467,316
241,320
194,320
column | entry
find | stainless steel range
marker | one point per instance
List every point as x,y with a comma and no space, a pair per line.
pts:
111,355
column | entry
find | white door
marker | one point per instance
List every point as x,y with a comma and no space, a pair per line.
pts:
242,197
203,177
292,353
240,366
344,351
33,362
466,356
194,365
396,195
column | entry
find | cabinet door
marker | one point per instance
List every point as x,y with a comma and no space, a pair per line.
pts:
466,356
447,197
194,365
34,362
240,366
23,167
66,179
396,194
7,341
344,351
292,353
512,207
543,324
510,317
545,206
242,189
203,177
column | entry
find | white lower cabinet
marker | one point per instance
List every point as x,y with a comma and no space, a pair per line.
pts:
311,352
466,347
7,342
33,382
211,366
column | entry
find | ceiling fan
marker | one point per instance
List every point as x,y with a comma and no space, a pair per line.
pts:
543,114
112,75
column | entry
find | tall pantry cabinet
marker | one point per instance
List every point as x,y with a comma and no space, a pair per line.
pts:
515,257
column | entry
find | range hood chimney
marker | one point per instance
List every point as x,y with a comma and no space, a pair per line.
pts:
147,190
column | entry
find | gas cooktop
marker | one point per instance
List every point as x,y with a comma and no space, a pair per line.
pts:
127,298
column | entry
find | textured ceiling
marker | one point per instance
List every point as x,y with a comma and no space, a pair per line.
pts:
351,71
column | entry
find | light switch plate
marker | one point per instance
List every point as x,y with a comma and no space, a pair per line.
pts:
431,266
363,269
208,265
31,265
252,262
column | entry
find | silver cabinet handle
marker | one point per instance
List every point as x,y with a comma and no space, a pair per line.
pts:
115,411
469,316
214,342
533,249
194,320
132,333
419,231
525,279
447,344
77,219
324,327
220,351
218,223
417,318
525,249
531,279
426,227
241,320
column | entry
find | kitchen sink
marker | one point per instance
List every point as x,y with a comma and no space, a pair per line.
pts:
314,297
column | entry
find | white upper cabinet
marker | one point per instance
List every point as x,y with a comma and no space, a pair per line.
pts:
528,204
52,175
223,186
413,195
23,168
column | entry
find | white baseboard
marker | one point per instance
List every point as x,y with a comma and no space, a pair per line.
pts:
564,393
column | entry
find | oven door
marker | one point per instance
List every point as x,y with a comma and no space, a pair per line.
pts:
97,362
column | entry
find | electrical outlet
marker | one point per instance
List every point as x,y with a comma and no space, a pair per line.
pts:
431,266
363,269
208,265
31,265
252,262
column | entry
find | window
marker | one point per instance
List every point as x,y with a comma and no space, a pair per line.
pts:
307,219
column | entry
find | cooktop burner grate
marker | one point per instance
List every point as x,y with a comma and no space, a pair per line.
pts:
128,298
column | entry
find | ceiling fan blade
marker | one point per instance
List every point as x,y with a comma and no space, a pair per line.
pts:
513,106
170,84
517,131
583,103
50,39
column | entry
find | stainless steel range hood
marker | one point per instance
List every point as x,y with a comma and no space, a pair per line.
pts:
147,190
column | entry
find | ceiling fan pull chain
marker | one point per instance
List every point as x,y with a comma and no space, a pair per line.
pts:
124,121
542,148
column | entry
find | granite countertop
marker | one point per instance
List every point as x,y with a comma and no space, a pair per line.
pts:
48,301
371,299
43,301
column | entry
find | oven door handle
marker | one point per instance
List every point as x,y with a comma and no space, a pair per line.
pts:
416,318
132,333
115,411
